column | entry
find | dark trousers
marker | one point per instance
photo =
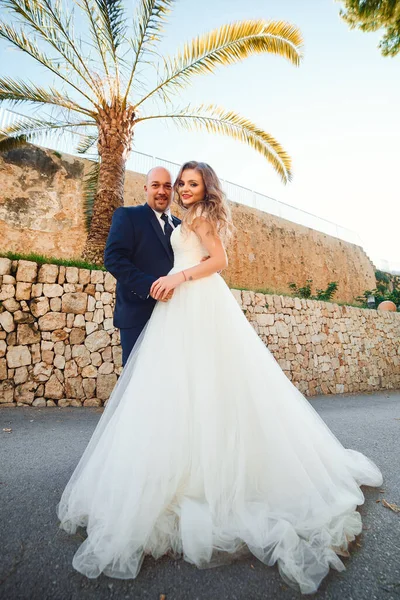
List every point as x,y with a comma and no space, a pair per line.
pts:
129,337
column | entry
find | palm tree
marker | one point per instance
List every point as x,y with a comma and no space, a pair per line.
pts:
101,94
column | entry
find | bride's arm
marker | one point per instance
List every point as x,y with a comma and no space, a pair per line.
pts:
216,262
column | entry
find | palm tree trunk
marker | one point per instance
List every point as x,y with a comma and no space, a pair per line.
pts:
115,141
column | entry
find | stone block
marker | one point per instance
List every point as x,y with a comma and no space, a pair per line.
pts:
23,291
97,341
7,279
71,369
3,369
18,356
84,276
108,325
106,368
97,277
39,403
105,385
92,402
108,312
41,372
74,388
91,327
74,303
52,321
52,290
59,361
265,319
77,336
40,306
117,356
11,305
55,304
282,329
23,317
90,289
25,393
109,283
48,274
81,355
48,356
7,321
61,275
89,387
91,305
7,291
37,290
5,266
36,354
98,316
64,403
54,389
27,334
59,335
79,321
21,375
72,274
90,371
6,392
27,271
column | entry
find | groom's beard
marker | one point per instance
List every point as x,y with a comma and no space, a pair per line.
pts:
161,203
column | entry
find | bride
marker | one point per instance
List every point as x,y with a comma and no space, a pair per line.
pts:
205,448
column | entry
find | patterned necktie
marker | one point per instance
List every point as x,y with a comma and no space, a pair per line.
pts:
168,229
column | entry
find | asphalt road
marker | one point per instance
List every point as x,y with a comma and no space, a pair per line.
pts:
39,455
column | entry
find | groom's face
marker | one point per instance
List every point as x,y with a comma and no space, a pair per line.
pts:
158,189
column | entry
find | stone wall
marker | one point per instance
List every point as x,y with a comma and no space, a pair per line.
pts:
58,345
41,211
325,348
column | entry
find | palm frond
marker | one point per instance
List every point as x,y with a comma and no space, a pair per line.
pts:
11,143
229,45
31,130
114,23
87,142
17,91
108,27
28,45
148,26
59,32
90,183
215,119
95,31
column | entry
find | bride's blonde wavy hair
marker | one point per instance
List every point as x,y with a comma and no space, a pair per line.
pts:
214,207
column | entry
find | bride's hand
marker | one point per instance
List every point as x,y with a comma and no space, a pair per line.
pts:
163,286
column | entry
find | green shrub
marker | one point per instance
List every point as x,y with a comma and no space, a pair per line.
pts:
306,292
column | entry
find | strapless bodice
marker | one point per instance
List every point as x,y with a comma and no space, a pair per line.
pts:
188,250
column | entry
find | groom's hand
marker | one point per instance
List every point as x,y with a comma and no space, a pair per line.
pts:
168,297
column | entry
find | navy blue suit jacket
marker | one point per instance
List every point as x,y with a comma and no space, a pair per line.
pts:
137,253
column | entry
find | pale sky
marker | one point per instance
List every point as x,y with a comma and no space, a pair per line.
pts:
336,115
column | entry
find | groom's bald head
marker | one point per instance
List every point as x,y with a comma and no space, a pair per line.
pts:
157,173
158,188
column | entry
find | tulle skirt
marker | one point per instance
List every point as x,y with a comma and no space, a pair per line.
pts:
205,449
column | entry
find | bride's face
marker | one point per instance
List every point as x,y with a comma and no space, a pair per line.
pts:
191,188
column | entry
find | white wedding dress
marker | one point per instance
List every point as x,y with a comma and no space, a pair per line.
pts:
206,449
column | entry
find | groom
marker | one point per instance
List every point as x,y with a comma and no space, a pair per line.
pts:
137,253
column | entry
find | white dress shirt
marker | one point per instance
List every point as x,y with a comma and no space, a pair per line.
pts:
162,223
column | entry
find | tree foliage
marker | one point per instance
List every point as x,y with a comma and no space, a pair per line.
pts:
373,15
